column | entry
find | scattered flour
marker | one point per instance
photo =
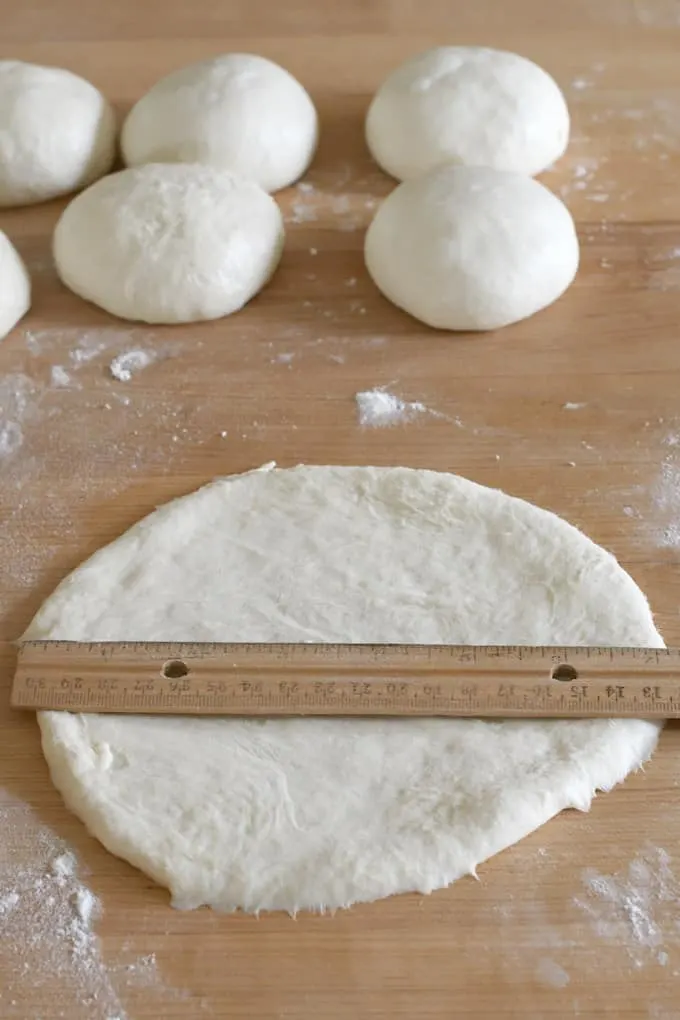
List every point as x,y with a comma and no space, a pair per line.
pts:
59,377
550,974
665,279
379,409
47,937
665,495
46,920
571,406
285,358
583,176
346,211
16,407
127,364
665,270
11,438
637,910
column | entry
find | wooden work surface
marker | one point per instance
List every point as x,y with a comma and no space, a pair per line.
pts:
581,919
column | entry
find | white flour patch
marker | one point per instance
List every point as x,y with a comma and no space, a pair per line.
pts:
571,406
664,270
285,358
127,364
550,974
656,120
303,213
16,408
379,409
46,920
665,279
345,211
84,345
11,438
47,928
583,177
60,378
636,909
42,409
668,256
665,494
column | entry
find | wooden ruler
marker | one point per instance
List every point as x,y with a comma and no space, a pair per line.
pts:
330,679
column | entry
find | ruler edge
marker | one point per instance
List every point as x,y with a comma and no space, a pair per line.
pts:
551,653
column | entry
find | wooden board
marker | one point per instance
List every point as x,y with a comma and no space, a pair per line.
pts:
579,920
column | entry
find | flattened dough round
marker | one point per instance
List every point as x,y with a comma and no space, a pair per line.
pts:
322,813
468,105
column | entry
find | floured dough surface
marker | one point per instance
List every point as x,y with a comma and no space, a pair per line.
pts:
312,813
15,286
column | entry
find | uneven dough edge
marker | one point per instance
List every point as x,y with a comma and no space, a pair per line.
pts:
63,739
63,765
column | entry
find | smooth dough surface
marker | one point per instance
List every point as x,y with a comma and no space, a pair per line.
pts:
57,133
238,112
168,243
470,248
15,286
313,813
468,105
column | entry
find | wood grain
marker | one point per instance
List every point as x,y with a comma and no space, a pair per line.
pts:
530,939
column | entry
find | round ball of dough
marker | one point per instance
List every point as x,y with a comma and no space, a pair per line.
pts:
470,248
15,286
57,133
169,243
238,112
469,105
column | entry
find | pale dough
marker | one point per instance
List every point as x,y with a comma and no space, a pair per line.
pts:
57,133
15,286
470,248
469,105
322,813
169,242
237,112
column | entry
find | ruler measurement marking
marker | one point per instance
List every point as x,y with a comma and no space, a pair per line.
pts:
256,679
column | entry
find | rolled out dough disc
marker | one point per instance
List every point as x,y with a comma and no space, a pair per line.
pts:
313,813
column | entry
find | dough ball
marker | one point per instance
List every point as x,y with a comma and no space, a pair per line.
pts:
238,112
469,105
291,813
15,286
169,243
57,133
472,248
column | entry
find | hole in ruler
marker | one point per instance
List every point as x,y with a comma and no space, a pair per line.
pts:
174,669
564,672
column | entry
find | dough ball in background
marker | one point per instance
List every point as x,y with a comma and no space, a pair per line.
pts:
470,248
469,105
168,243
239,112
15,286
57,133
